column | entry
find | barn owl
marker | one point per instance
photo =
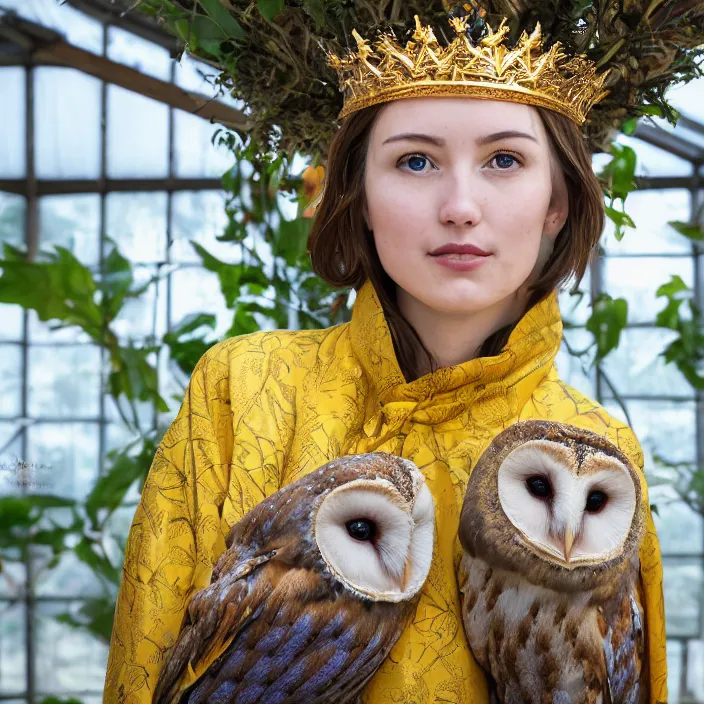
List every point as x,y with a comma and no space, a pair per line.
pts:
550,527
315,587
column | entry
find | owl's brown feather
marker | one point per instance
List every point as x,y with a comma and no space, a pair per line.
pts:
275,625
547,630
537,643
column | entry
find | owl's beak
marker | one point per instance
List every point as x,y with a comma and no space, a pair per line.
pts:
568,542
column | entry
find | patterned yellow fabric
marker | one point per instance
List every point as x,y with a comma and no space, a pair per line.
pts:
264,409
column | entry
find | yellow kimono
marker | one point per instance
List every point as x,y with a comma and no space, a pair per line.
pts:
263,410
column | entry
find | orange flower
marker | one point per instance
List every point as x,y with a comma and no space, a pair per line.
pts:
313,178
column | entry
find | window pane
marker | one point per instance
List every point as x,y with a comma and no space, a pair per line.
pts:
12,218
138,135
653,161
576,371
651,211
195,154
667,428
636,367
41,333
64,381
695,669
68,659
71,577
140,54
73,222
70,450
146,315
12,585
13,648
10,442
674,669
78,29
12,320
638,278
10,380
688,98
68,144
137,223
12,144
576,308
196,290
200,216
679,528
145,414
196,76
684,586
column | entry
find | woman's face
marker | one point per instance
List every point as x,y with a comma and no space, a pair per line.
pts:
465,198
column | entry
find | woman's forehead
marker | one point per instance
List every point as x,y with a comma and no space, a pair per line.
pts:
454,116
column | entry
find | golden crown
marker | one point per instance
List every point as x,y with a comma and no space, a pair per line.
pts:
486,69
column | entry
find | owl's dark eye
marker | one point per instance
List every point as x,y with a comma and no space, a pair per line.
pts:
539,487
596,501
361,529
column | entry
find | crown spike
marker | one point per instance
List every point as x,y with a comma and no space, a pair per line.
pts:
488,69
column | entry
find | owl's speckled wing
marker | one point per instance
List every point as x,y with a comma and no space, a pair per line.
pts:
215,615
297,649
621,623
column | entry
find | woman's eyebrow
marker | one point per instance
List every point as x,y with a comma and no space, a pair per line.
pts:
415,137
439,142
506,134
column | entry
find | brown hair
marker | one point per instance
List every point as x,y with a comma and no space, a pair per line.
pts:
342,247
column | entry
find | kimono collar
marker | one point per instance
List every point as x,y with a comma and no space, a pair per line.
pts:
521,365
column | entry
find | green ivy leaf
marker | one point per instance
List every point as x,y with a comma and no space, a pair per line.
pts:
133,376
58,288
98,563
124,470
291,239
229,274
620,219
692,232
620,172
270,8
96,616
629,126
116,282
229,27
608,319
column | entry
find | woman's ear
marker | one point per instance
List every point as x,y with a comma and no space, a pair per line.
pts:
559,207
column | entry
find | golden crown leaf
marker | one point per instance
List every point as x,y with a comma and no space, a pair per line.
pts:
488,69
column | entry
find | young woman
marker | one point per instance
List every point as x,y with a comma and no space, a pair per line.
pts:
456,241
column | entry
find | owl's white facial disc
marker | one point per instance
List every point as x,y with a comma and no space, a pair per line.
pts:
373,541
575,517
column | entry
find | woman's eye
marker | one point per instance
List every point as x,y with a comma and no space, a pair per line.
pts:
504,162
415,162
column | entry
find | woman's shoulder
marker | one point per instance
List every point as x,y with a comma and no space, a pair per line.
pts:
556,400
255,348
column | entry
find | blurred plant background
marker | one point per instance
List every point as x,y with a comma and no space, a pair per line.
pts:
137,231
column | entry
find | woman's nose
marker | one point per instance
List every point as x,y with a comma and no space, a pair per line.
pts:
460,204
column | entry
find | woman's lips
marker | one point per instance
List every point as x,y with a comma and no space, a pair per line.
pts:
460,262
460,257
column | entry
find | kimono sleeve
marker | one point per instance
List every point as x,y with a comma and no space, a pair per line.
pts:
175,536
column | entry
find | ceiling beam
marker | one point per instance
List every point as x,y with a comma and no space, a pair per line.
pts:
129,19
43,46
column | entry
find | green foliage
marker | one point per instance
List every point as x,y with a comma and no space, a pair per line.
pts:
608,319
686,351
265,282
618,180
687,480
